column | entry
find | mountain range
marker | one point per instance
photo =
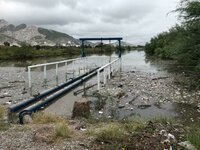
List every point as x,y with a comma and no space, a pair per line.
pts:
32,35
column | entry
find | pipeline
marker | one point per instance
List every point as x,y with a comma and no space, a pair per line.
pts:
28,102
50,99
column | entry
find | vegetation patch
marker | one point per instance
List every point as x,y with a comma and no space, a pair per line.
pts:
3,126
194,136
162,119
42,118
62,130
133,125
182,42
29,52
2,111
111,132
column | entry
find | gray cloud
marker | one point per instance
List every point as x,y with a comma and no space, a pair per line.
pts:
135,20
45,3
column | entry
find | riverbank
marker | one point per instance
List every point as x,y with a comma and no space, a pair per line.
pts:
140,92
135,91
53,132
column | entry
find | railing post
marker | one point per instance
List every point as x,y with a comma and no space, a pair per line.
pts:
109,69
84,59
73,63
98,80
45,75
66,75
29,77
120,60
56,74
104,76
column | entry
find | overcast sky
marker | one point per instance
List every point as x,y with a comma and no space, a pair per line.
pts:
134,20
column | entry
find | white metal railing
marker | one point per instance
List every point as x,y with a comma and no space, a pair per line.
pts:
45,68
46,74
107,70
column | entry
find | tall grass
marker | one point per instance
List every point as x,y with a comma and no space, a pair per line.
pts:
62,130
3,126
2,111
42,118
194,136
111,132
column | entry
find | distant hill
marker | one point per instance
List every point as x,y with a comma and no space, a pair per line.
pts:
113,44
16,35
122,43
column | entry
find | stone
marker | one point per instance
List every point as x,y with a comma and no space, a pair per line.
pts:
27,119
81,109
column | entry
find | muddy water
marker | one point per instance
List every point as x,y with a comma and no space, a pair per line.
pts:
134,61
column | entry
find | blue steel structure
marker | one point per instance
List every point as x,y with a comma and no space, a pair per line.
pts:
99,39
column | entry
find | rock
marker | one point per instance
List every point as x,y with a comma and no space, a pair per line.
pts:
81,127
81,109
187,145
83,145
27,119
121,106
120,86
120,95
144,106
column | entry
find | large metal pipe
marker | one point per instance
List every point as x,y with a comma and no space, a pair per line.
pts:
28,102
50,99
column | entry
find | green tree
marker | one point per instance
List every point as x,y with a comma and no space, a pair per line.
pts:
6,43
181,42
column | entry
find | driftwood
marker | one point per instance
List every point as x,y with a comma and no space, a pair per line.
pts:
7,87
134,98
158,78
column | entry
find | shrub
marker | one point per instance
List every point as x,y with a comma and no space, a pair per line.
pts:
62,130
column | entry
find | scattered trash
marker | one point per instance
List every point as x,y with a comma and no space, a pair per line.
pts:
170,136
163,132
100,112
9,102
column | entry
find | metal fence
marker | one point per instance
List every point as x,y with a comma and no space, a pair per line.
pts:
44,76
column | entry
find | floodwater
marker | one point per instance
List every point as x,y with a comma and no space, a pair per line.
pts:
131,61
134,60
